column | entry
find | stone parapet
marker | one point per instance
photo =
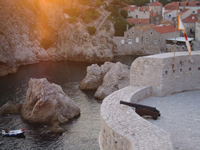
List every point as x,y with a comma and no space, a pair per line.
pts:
123,129
167,74
159,75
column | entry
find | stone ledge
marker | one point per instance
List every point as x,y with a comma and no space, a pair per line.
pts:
122,128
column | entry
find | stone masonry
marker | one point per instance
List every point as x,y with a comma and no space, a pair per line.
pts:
167,74
159,75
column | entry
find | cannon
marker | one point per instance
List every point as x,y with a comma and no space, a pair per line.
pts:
143,110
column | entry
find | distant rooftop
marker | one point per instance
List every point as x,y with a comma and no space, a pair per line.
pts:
191,19
156,4
164,29
166,22
184,4
138,20
133,8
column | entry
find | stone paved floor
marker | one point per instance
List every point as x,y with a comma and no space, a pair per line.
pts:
180,115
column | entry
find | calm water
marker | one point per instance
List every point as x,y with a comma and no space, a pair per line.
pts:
81,133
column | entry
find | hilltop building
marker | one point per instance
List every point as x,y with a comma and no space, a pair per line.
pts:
138,12
145,39
189,24
154,30
156,7
197,29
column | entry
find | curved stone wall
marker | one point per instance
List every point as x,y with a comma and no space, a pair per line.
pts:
123,129
160,75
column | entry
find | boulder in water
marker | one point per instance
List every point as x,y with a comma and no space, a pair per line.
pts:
116,78
94,77
47,103
10,108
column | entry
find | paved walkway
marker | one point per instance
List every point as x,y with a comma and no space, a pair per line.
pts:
102,22
180,115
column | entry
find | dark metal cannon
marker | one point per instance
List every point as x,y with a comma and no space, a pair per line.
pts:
143,110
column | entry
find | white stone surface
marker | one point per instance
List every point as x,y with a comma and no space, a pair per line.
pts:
123,129
159,75
167,74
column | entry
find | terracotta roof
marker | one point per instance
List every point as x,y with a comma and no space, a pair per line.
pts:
171,6
143,27
186,3
156,4
190,19
169,11
137,21
146,8
164,29
166,22
124,3
198,10
130,8
183,11
152,14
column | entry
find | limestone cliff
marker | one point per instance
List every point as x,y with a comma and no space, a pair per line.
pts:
38,30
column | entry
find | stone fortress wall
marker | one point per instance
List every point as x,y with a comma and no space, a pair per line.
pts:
167,74
158,75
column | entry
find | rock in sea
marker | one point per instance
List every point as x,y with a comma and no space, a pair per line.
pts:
46,103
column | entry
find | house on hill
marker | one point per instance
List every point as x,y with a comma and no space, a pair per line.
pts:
181,5
185,13
138,21
155,18
189,24
156,7
166,22
138,12
145,39
197,29
171,15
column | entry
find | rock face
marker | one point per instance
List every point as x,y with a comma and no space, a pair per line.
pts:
10,108
94,77
106,79
74,43
47,103
37,30
7,61
117,77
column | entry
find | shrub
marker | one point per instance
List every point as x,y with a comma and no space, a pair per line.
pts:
99,3
120,26
73,12
72,20
89,15
84,2
124,13
91,30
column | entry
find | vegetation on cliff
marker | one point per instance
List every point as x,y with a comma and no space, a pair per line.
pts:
119,19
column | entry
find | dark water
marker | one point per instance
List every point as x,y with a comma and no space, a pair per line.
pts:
81,133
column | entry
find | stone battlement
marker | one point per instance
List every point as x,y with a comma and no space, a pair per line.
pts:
167,74
159,75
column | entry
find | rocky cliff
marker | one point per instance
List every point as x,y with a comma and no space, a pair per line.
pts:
38,30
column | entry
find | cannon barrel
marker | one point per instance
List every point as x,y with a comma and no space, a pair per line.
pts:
137,105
